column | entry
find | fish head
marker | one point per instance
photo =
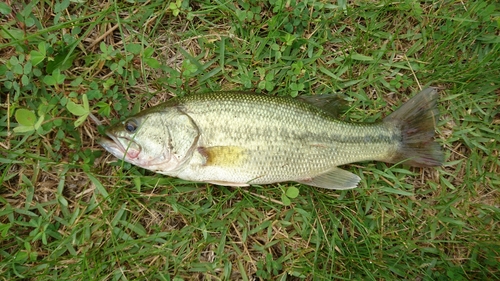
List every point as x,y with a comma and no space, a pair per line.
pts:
142,141
159,139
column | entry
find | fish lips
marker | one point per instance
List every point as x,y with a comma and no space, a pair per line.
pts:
114,146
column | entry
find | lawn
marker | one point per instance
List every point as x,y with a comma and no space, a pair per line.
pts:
71,211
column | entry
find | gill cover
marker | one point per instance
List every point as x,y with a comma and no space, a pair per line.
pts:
184,135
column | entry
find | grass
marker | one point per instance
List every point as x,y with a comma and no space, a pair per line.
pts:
70,211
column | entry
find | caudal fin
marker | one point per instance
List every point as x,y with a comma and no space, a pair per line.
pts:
416,120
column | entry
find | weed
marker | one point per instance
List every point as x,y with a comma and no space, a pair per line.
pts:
70,211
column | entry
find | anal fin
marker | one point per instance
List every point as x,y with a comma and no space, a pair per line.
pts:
335,179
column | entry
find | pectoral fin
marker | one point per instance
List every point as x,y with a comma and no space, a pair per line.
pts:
225,156
334,179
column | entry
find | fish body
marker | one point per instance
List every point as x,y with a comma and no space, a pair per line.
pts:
238,139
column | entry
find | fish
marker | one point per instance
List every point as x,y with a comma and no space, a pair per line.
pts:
242,139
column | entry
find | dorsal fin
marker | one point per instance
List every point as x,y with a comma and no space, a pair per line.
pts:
333,104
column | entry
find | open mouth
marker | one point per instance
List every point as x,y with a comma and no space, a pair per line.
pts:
120,147
112,145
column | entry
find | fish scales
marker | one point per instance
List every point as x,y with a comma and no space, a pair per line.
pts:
241,138
295,138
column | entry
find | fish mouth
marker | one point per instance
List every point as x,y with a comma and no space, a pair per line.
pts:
113,145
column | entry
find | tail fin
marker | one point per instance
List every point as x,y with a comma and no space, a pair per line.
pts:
416,120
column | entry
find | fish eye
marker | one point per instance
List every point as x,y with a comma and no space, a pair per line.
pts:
131,126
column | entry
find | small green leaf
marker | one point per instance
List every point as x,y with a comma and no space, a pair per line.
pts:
292,192
5,9
81,110
21,257
86,103
269,86
80,120
59,78
36,57
108,83
17,69
29,22
153,63
61,6
25,80
148,52
286,201
28,68
14,60
76,109
42,48
49,80
174,8
3,69
269,76
188,68
103,48
104,108
23,129
133,48
25,117
78,80
39,122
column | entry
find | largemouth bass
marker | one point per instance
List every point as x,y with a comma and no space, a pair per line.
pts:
239,139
